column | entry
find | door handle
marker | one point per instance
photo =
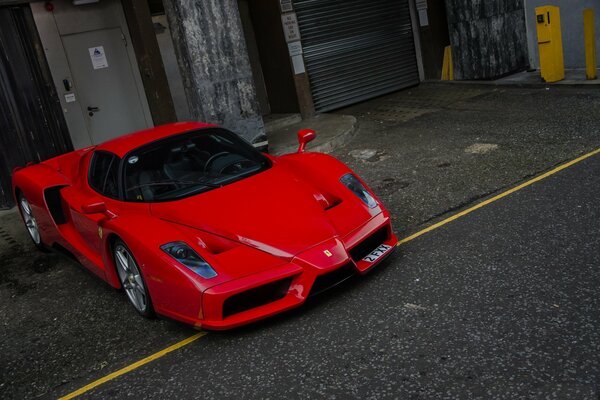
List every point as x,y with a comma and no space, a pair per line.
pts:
92,110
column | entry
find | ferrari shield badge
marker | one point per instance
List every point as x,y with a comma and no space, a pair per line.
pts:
327,253
100,232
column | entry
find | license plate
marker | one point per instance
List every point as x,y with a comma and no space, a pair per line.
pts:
378,252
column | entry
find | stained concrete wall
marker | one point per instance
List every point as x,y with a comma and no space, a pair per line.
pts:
571,15
213,60
167,53
488,37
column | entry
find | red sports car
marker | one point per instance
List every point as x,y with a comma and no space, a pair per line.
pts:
196,225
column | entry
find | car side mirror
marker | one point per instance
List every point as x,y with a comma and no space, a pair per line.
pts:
97,207
305,136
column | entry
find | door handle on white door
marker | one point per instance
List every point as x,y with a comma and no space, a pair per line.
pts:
92,110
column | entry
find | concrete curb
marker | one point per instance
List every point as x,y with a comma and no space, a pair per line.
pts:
338,140
282,122
524,85
324,143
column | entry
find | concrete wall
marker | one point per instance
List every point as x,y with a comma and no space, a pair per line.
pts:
488,37
167,53
213,60
571,15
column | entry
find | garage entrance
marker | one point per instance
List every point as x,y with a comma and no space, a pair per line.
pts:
355,50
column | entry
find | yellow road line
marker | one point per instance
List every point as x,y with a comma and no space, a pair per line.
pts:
133,366
497,197
197,336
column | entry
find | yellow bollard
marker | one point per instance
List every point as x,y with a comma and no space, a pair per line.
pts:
552,66
448,66
590,44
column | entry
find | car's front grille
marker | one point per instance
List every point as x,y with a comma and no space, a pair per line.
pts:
256,297
333,278
362,249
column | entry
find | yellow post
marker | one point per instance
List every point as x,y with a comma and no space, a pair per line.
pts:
447,66
450,64
549,35
590,44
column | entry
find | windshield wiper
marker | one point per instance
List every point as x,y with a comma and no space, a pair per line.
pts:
175,182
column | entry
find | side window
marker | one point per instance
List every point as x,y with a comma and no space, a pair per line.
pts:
104,172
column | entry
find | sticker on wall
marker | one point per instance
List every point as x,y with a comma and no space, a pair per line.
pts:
422,10
298,64
286,5
290,27
295,48
98,57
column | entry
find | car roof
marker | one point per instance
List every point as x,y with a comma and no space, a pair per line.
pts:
124,144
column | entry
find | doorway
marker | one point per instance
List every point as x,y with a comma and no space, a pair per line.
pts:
104,82
433,22
269,57
94,69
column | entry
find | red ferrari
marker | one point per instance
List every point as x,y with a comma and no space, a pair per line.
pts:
195,224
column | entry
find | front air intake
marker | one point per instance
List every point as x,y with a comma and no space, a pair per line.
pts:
256,297
333,278
362,249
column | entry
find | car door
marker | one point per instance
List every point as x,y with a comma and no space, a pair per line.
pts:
86,234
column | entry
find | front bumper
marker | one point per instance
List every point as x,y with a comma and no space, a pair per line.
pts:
271,292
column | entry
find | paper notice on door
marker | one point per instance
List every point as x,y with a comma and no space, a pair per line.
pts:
70,97
98,57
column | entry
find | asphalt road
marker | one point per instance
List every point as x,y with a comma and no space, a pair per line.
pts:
427,152
502,303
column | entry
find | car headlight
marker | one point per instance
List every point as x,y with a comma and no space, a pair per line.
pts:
352,183
185,255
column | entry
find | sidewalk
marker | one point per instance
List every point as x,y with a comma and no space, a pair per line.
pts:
572,77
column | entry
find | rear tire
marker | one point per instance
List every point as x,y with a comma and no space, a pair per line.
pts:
30,222
131,279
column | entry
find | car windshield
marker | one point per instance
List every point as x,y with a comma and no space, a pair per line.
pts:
188,164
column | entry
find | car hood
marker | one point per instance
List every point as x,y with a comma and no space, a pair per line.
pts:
272,211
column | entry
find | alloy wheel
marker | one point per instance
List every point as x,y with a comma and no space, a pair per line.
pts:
131,279
29,219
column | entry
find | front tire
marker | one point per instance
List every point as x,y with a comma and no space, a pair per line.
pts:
131,279
30,222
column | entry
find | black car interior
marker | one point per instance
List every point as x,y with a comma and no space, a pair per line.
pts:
186,164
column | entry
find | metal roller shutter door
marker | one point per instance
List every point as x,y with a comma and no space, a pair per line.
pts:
356,49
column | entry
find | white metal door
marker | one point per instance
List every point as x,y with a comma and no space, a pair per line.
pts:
104,82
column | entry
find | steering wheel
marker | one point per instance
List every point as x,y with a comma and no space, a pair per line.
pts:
213,158
223,161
